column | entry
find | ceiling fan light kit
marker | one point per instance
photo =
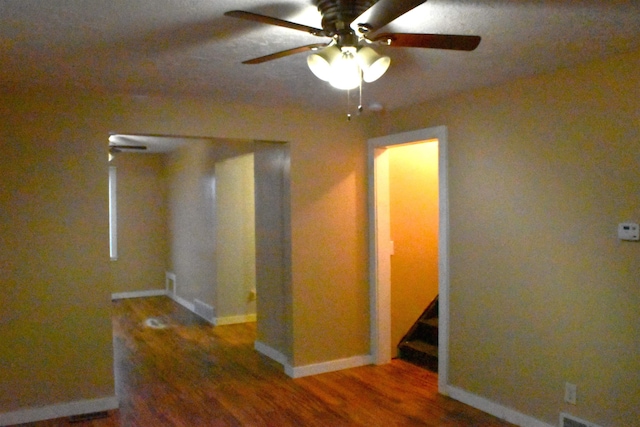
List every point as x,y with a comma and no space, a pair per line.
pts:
372,64
320,63
345,67
345,71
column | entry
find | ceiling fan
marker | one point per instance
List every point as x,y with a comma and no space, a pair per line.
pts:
347,59
113,148
119,143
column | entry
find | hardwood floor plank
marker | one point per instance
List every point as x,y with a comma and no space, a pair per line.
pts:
178,370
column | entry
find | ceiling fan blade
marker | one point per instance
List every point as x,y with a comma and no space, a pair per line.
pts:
432,41
128,147
250,16
284,53
383,12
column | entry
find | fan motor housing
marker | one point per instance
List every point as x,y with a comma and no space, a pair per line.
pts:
337,15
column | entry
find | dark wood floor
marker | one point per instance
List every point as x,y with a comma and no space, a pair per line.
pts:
193,374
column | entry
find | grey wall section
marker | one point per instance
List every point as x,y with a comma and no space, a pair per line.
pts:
191,219
273,245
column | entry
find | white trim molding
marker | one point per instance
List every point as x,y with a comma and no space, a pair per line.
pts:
510,415
379,250
313,369
324,367
183,302
113,214
231,320
67,409
139,294
170,277
271,353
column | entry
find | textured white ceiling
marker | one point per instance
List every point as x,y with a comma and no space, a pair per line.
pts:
148,47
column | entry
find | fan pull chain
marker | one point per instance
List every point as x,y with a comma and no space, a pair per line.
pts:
360,109
360,99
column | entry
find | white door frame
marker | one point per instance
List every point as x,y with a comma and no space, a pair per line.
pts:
379,245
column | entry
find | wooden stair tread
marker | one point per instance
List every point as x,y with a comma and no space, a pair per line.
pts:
433,321
421,346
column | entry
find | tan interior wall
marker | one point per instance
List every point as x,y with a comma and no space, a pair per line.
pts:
329,288
142,223
541,171
55,233
236,237
55,325
413,196
329,246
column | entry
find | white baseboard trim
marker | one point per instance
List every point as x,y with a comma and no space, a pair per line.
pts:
139,294
510,415
189,306
68,409
324,367
314,369
271,353
230,320
183,302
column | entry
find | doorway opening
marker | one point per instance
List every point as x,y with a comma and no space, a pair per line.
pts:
381,245
204,221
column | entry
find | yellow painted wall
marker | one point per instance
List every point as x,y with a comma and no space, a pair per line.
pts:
541,171
55,318
55,304
329,242
142,223
328,211
413,197
235,237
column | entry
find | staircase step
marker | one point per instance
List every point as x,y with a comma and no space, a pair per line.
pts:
424,330
420,344
430,322
423,347
420,353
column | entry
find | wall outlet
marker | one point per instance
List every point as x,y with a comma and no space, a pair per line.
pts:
570,393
